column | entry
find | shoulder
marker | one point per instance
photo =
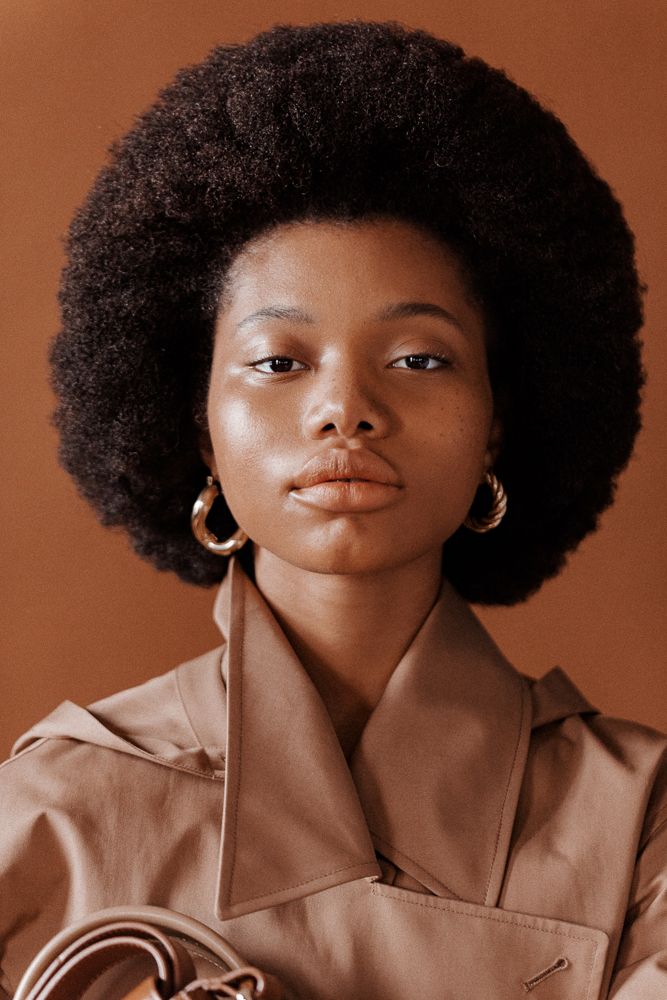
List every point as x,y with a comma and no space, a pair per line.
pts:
615,759
556,699
77,790
152,721
80,772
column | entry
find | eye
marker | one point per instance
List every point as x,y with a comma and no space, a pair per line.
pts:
282,365
420,362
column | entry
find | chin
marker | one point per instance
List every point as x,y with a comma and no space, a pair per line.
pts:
339,564
350,558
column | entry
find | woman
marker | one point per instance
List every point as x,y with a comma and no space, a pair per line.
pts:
358,306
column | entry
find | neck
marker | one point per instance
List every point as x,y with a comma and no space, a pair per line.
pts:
349,630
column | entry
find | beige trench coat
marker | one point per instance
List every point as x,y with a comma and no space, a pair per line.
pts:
492,837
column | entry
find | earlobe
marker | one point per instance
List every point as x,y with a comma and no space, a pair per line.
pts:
495,442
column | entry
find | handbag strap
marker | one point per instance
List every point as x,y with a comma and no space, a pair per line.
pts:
86,958
71,961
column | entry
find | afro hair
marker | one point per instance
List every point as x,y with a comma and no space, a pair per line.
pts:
343,121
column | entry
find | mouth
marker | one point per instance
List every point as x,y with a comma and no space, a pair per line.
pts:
348,495
343,480
340,465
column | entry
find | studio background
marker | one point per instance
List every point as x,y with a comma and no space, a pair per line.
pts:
82,616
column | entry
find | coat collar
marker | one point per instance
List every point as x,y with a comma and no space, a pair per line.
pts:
432,784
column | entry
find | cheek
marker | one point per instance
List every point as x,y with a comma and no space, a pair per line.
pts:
234,426
458,438
248,447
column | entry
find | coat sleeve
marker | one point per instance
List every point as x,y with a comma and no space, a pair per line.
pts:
640,972
35,873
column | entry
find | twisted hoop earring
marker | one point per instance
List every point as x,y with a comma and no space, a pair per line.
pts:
200,512
498,508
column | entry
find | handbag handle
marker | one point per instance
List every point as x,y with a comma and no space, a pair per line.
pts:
75,957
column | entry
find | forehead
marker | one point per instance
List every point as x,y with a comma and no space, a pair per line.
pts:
322,259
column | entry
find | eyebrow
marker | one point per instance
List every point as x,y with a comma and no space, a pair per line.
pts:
398,310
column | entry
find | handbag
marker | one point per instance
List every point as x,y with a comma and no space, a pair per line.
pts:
72,961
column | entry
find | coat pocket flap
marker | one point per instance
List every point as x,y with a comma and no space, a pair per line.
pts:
483,951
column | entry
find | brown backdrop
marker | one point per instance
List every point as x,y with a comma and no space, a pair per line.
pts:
82,615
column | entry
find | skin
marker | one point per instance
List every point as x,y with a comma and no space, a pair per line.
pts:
349,589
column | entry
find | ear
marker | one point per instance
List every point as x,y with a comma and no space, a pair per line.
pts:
494,442
206,452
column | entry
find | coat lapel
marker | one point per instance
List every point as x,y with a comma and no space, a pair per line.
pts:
439,764
292,821
432,785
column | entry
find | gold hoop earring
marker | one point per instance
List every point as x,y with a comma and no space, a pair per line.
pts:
498,507
200,512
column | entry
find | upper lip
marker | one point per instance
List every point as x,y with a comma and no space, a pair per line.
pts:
339,463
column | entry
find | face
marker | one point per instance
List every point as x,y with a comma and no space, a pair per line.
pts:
349,351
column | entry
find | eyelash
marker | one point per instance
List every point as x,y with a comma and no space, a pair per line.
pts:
445,362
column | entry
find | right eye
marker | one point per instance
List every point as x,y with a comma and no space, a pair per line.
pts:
282,365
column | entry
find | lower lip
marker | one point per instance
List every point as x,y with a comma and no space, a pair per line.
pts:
340,497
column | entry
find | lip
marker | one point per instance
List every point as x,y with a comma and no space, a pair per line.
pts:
324,481
340,463
342,497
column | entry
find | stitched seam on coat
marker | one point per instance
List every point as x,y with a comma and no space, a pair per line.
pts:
178,767
136,752
522,726
296,885
30,747
417,867
499,920
590,971
480,916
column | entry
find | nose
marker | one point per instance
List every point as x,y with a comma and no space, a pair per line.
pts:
344,403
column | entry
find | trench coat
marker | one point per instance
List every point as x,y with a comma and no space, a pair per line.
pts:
492,835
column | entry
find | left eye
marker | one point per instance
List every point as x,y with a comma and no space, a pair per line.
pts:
282,365
420,362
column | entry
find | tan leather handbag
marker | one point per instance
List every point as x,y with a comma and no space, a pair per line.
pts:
74,959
